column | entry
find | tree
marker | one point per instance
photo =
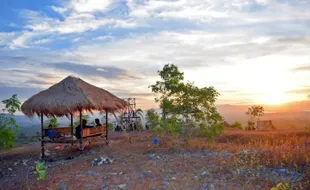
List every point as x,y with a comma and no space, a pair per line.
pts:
185,104
77,122
8,126
255,112
12,104
52,121
237,125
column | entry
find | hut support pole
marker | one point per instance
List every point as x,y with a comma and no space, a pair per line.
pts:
107,126
72,128
81,132
42,137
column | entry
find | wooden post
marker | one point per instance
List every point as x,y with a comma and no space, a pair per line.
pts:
107,126
42,137
72,127
81,132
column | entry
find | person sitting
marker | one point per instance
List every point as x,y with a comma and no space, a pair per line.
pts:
51,133
97,121
78,128
117,128
147,126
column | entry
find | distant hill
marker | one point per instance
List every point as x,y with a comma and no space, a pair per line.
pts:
295,115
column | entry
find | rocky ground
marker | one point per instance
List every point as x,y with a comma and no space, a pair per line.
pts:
143,165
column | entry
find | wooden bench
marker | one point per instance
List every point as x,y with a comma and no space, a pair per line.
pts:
62,131
96,131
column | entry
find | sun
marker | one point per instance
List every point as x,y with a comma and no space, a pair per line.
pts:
275,98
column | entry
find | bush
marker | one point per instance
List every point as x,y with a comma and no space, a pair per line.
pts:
40,171
8,129
237,125
8,126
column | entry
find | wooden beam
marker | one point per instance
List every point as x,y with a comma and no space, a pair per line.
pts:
42,137
81,132
72,127
107,126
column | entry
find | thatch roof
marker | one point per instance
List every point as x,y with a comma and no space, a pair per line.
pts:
70,96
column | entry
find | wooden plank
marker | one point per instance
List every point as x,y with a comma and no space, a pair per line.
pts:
94,131
42,137
81,132
107,126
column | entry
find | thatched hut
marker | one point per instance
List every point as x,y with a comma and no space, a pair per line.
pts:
70,97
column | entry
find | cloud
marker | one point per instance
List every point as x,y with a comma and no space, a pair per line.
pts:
6,37
21,41
107,72
42,41
303,68
23,93
90,5
300,91
81,16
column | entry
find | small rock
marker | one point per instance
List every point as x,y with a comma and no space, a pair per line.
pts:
88,186
10,169
205,173
93,173
212,186
143,175
167,183
173,178
120,187
25,162
204,186
196,178
63,186
103,187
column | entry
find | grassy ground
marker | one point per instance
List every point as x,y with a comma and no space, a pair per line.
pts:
237,160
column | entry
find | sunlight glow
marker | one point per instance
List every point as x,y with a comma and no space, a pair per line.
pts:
275,99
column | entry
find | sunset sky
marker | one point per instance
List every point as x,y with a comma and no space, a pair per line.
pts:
251,51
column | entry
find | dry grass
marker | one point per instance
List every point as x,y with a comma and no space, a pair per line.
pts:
182,161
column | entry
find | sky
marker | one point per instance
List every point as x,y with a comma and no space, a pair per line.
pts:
251,51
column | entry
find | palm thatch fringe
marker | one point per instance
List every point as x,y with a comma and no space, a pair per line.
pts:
70,96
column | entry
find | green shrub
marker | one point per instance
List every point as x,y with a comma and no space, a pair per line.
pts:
8,130
40,171
8,126
237,125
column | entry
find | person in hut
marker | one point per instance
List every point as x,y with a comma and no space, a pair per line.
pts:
97,121
117,128
78,128
147,127
51,133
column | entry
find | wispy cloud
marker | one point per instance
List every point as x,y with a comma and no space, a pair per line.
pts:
82,70
303,68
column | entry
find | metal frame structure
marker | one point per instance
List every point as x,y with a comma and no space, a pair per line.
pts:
129,117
